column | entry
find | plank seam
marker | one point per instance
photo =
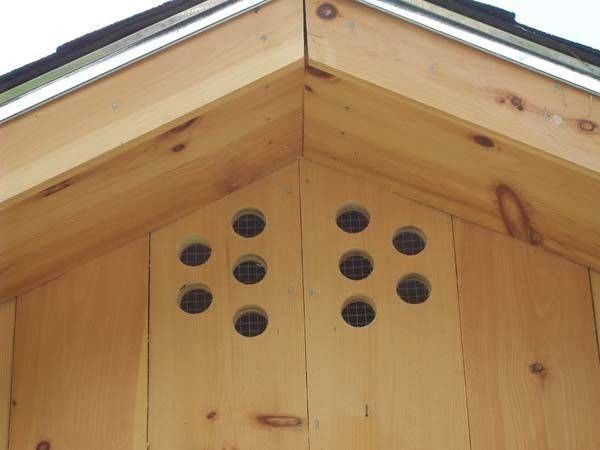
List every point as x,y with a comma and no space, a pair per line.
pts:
462,348
12,372
303,300
594,312
149,269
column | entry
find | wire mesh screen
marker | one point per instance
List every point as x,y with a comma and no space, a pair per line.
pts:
251,323
356,267
195,254
409,242
353,221
249,224
413,290
249,272
358,313
195,301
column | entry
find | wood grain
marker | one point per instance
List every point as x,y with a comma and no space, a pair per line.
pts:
7,328
530,350
222,148
452,165
398,382
111,115
561,122
595,279
209,386
80,364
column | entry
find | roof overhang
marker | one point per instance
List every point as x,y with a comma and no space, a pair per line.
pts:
439,121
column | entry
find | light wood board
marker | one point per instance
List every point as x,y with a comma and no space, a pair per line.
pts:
530,350
224,147
61,139
452,165
595,279
80,359
210,387
7,328
398,382
559,121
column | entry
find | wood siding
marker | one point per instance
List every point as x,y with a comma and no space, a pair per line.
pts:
502,355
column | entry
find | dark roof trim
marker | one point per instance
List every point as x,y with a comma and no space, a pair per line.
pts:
119,54
518,50
93,41
505,20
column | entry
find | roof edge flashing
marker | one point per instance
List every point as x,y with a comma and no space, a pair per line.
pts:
119,54
494,41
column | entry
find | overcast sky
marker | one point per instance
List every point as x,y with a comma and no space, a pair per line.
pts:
34,29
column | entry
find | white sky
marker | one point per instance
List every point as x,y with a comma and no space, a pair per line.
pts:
575,20
35,29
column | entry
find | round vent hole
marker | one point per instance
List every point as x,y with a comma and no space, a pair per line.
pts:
251,322
250,270
352,220
356,265
413,289
195,254
249,223
358,313
195,300
409,241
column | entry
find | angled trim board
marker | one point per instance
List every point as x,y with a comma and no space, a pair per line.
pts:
566,66
557,120
192,123
453,127
210,155
110,116
423,115
451,165
118,54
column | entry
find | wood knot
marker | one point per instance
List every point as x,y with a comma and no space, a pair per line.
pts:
586,125
211,415
308,89
177,148
537,368
279,421
484,141
319,73
327,11
56,188
44,445
183,126
514,216
517,102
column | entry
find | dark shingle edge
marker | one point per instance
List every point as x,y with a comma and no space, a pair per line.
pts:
93,41
505,21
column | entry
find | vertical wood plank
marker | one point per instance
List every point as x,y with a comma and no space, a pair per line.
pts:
398,382
7,327
531,358
80,363
210,387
